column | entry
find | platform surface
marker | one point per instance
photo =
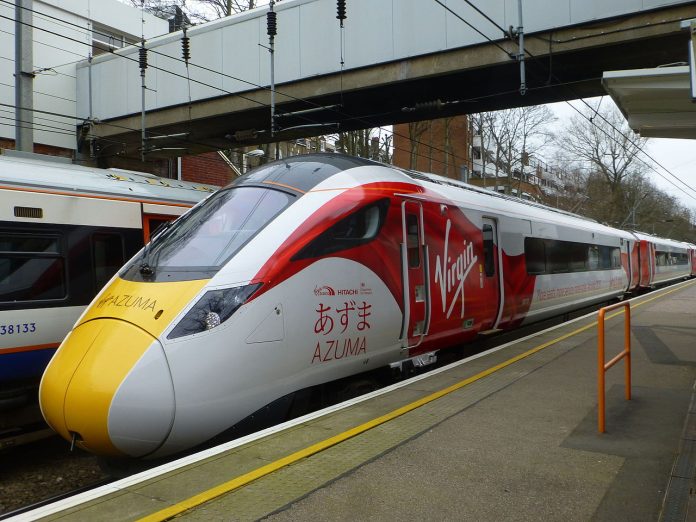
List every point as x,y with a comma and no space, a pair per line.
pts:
513,436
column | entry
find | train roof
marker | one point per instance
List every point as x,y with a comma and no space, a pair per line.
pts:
30,173
303,172
473,188
660,240
512,206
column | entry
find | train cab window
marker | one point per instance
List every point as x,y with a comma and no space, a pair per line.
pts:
205,238
488,251
358,228
32,267
108,257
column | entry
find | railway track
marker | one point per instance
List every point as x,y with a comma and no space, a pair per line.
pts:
50,500
41,471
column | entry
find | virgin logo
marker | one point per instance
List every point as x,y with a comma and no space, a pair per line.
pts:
451,272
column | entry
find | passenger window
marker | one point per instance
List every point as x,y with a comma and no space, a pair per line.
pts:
551,256
31,267
488,251
358,228
412,241
535,255
615,258
593,257
107,252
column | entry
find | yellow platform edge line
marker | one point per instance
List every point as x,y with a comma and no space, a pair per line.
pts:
243,480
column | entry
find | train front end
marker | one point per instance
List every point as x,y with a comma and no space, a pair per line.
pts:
147,352
188,338
109,387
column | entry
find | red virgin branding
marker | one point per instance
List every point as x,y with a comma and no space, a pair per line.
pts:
451,271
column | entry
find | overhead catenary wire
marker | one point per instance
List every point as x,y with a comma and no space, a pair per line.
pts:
179,140
605,120
349,117
362,119
69,126
601,116
359,118
42,93
43,43
33,125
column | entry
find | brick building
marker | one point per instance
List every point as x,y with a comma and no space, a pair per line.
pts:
437,146
451,147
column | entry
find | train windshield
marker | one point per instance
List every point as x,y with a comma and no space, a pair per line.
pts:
203,240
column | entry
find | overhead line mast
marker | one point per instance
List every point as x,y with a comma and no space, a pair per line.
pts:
24,76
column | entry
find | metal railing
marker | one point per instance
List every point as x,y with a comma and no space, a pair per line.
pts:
602,367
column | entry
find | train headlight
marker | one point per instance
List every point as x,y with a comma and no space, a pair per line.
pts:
212,319
213,309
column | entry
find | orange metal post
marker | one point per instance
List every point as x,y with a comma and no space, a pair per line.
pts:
602,367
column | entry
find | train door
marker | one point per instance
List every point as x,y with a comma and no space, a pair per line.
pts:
631,267
415,274
492,274
646,267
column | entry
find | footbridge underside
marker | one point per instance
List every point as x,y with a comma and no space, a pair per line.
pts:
561,64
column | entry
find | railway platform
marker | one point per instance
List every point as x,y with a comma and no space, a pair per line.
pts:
510,434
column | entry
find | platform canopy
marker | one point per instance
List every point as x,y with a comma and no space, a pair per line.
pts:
658,102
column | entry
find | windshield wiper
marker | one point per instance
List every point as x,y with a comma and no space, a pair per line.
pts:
145,268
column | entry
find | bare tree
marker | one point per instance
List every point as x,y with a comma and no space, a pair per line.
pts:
516,134
602,140
415,131
372,143
197,11
602,143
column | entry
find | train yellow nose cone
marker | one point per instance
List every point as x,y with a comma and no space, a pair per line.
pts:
103,365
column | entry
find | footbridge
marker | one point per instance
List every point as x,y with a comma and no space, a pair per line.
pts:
403,60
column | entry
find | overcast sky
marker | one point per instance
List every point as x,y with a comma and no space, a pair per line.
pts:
677,156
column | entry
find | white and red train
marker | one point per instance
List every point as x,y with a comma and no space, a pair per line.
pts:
311,269
65,230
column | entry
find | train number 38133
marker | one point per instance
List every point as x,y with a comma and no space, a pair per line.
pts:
19,328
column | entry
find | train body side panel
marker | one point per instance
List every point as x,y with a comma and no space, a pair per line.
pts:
561,288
